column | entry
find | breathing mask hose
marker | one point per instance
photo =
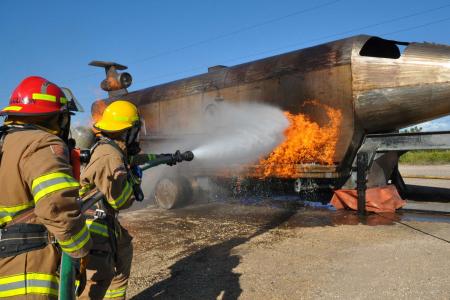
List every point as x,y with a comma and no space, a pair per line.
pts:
133,148
64,125
131,139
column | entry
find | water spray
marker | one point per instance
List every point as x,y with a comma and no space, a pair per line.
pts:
240,134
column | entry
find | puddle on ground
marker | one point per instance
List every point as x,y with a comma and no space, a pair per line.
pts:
321,213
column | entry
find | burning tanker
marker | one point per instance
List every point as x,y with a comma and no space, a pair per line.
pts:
333,95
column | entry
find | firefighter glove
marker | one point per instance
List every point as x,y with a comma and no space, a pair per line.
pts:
137,173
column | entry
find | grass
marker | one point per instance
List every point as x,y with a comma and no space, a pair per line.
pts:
429,157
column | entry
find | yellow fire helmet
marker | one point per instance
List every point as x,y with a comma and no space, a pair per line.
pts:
118,116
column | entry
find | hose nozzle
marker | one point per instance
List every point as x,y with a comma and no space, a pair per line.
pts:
187,156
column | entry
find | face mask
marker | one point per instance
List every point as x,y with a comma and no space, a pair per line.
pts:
133,149
132,139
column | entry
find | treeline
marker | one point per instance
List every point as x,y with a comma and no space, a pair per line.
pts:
424,157
428,157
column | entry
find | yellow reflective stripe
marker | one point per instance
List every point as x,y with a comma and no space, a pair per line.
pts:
54,188
7,213
42,290
15,208
13,292
93,230
13,108
121,119
49,176
116,293
50,183
125,119
29,283
42,276
124,196
151,156
95,227
12,278
122,199
85,189
5,220
77,241
45,97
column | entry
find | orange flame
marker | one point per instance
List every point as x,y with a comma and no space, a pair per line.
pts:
305,142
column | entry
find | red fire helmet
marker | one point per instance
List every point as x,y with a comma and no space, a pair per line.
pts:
36,96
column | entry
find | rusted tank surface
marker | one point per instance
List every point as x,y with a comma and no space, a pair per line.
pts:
378,85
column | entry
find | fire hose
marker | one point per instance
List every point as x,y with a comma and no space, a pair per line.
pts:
67,288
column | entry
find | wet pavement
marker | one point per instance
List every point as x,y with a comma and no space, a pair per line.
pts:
279,247
244,216
225,250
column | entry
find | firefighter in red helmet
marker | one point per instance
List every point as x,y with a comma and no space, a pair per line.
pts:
36,175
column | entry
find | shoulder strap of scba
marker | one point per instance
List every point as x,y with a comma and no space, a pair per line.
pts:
88,152
105,140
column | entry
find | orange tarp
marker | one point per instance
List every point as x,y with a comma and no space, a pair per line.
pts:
378,199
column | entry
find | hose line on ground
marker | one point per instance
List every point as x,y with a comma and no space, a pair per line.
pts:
414,228
426,177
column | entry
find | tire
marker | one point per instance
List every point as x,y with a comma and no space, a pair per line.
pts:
173,192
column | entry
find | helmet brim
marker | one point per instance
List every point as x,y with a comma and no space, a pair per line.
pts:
108,127
17,110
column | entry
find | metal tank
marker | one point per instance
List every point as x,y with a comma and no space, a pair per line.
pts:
378,85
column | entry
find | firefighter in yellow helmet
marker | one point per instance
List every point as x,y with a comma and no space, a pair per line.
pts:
39,212
108,170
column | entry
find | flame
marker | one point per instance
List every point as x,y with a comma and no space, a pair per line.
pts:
305,142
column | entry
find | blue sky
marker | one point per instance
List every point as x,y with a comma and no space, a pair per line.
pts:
161,41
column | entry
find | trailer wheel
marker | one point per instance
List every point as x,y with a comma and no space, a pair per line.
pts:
173,192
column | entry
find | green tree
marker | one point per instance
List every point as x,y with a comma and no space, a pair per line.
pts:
412,129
